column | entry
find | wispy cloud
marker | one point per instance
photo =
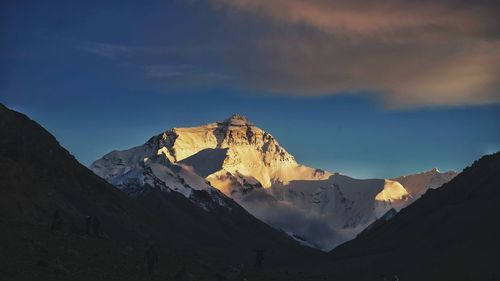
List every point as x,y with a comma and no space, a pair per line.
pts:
186,74
106,50
409,53
111,50
164,63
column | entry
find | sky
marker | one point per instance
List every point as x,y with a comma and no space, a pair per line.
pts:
367,88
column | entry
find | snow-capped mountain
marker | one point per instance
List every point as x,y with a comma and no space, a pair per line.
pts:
233,150
418,184
247,164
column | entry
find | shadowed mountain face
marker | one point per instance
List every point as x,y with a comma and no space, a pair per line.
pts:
207,161
40,179
450,233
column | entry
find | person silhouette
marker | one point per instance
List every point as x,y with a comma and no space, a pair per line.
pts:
151,258
259,258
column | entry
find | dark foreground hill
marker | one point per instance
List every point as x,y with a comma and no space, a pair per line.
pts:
46,197
451,233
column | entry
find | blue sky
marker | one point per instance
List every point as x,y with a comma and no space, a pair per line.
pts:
105,76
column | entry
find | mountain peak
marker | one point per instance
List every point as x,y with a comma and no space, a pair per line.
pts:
238,120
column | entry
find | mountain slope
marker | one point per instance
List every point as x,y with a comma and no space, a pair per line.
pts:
39,177
450,233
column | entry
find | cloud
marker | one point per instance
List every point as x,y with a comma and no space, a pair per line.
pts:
283,215
119,51
179,74
385,17
176,66
411,53
106,50
408,53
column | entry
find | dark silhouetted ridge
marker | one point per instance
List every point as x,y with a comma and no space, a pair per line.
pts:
449,233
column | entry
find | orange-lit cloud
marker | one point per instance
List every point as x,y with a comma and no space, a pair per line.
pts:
413,53
375,18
